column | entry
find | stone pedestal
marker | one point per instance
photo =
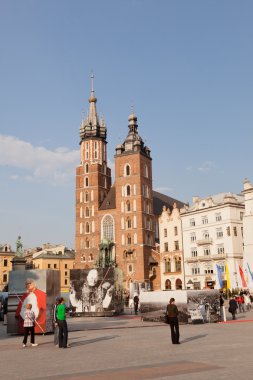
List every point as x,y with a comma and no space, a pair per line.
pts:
18,263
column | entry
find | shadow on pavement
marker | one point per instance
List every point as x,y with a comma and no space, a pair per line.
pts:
193,338
90,341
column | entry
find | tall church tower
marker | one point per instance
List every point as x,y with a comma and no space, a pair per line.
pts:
93,181
135,233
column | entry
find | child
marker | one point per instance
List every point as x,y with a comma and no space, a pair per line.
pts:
29,322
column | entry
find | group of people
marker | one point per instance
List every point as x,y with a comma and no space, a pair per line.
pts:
240,303
59,321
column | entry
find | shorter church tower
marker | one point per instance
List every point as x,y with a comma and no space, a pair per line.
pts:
134,201
93,181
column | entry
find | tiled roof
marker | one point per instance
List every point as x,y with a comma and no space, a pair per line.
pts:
110,200
160,200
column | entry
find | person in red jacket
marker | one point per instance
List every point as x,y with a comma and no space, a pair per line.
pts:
37,298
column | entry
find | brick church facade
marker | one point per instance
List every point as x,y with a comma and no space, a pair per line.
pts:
122,216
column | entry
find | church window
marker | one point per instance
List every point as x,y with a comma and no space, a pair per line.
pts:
91,257
87,243
146,171
129,223
87,212
83,258
87,151
86,196
128,206
128,190
95,150
86,168
129,239
130,268
108,228
127,170
86,181
87,228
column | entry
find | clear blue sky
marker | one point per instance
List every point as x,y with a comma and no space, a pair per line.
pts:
185,65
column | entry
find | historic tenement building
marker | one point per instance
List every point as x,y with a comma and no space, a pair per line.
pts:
213,235
120,218
171,249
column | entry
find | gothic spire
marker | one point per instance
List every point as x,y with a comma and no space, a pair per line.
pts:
91,127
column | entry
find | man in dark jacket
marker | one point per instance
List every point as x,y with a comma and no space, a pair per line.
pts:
172,314
233,307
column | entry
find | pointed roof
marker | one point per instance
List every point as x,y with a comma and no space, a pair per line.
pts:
92,126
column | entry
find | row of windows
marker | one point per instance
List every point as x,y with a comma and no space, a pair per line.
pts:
176,246
86,197
209,270
128,170
54,266
205,220
95,147
219,233
207,251
90,258
165,232
177,266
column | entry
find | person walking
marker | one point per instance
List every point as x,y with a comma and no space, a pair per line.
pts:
136,304
232,306
29,322
61,321
55,323
172,315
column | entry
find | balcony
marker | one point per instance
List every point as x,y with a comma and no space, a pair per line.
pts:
204,241
220,256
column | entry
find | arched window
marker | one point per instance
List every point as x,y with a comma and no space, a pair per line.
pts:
87,243
168,284
128,206
83,258
129,223
108,228
87,228
128,190
86,168
87,212
91,257
87,196
86,181
129,239
146,171
127,170
167,265
178,284
178,264
130,268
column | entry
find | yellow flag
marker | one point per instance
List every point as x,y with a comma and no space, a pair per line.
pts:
228,277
